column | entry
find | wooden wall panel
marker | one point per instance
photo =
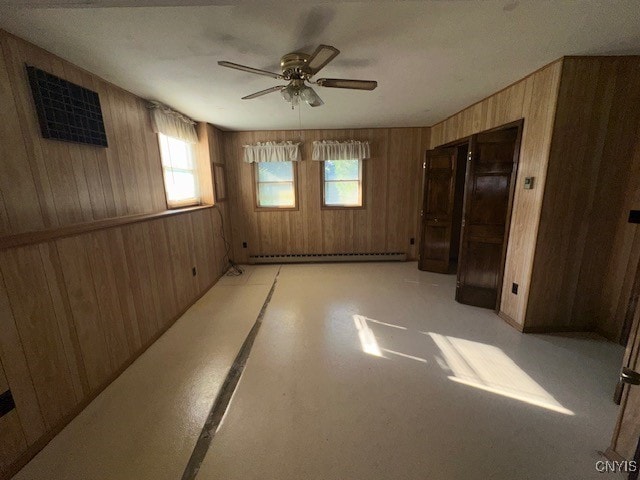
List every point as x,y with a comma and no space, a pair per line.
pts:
19,211
392,192
35,318
594,166
80,300
142,279
17,372
48,183
12,440
204,150
63,315
618,192
534,99
78,310
404,193
83,300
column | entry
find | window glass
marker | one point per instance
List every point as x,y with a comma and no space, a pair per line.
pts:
342,170
180,175
275,185
342,183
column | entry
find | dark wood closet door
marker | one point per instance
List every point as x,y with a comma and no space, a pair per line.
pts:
437,207
487,208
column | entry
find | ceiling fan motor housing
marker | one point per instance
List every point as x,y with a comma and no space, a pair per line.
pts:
294,65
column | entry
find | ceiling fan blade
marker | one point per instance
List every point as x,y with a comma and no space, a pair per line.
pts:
244,68
263,92
343,83
323,55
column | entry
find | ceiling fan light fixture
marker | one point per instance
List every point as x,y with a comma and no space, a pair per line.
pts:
291,94
286,93
309,95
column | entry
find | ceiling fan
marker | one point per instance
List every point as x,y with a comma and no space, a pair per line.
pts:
297,69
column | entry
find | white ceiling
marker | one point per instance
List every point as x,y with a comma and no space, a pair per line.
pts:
430,58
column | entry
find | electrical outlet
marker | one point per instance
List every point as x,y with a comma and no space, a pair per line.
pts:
193,270
514,288
412,241
6,403
244,244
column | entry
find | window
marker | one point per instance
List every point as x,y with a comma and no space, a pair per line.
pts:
342,183
275,185
180,174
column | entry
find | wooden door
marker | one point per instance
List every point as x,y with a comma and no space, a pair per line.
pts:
487,208
437,208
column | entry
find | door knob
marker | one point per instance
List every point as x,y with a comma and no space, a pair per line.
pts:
629,376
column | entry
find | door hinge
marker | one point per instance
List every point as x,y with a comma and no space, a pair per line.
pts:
469,157
463,222
424,164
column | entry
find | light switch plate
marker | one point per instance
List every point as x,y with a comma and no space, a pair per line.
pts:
528,183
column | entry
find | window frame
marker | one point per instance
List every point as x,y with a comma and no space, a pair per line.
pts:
256,203
362,175
189,202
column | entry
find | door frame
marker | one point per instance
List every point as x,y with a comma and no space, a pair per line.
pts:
519,124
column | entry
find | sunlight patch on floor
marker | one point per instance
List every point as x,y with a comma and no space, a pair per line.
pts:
488,368
367,337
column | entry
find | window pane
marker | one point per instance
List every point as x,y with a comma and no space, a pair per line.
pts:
342,193
180,178
276,195
179,185
180,154
342,170
275,171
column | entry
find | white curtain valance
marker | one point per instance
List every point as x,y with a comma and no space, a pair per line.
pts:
333,150
272,152
168,122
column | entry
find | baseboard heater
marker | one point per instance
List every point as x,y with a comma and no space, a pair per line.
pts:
329,257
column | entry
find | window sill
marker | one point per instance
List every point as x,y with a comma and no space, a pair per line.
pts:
342,207
39,236
275,209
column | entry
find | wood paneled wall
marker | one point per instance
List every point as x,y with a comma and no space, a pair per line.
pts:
587,253
46,183
392,197
534,99
76,310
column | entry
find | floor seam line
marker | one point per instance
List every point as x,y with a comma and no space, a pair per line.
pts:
223,399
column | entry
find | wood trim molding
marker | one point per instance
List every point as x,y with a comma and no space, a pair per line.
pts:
611,454
30,238
556,329
511,321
